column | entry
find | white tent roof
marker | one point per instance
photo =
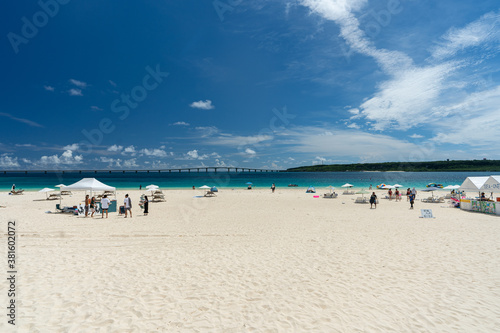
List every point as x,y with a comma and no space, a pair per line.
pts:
89,184
473,183
492,184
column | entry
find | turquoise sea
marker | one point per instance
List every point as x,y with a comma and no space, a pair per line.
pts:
175,180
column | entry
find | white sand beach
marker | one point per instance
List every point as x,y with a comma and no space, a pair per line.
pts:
253,261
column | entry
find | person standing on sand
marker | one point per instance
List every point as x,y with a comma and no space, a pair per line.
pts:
105,205
273,187
390,194
412,200
408,193
140,187
373,200
87,205
92,207
396,193
146,206
128,205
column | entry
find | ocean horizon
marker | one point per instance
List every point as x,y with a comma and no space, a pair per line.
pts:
186,180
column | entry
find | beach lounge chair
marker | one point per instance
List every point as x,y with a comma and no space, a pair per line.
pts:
210,194
361,200
17,192
53,196
66,193
330,195
347,192
158,197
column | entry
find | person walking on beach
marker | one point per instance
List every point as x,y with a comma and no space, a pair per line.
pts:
128,205
105,205
146,206
140,187
408,192
87,205
373,200
412,200
396,193
390,194
273,187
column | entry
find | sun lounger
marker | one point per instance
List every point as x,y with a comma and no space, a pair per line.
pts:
66,193
17,192
210,194
348,192
53,196
330,195
158,197
361,200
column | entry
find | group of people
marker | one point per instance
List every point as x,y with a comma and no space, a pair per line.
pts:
91,205
410,195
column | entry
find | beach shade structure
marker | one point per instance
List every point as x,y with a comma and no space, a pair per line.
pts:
60,196
152,187
430,189
473,184
249,185
347,185
46,190
331,188
363,192
214,189
89,184
492,184
311,189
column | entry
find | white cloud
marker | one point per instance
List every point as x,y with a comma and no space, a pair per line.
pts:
180,123
115,148
66,158
238,140
129,150
250,151
194,155
130,163
112,83
204,105
407,100
153,152
111,161
21,120
74,146
96,108
77,83
416,136
485,29
49,88
7,161
207,130
75,92
351,145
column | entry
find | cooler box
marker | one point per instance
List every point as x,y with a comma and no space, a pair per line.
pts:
498,199
122,209
112,206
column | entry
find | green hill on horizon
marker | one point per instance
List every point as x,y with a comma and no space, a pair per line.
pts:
444,166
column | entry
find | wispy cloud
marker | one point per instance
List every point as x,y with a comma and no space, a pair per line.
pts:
96,108
77,83
21,120
48,88
75,92
180,123
204,105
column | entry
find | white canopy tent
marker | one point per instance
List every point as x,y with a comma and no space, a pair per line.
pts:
89,184
492,184
473,184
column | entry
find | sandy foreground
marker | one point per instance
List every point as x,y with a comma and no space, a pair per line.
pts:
252,261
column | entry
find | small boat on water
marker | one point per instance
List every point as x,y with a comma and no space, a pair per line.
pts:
292,185
434,185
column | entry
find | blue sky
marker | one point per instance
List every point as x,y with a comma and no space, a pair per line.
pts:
265,84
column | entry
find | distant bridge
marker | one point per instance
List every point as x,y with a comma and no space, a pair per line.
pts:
201,169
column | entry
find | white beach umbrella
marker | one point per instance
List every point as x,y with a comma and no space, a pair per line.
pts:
430,189
46,190
152,187
347,185
205,187
397,186
451,187
363,192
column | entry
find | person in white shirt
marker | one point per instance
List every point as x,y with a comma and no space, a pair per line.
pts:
105,205
128,205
